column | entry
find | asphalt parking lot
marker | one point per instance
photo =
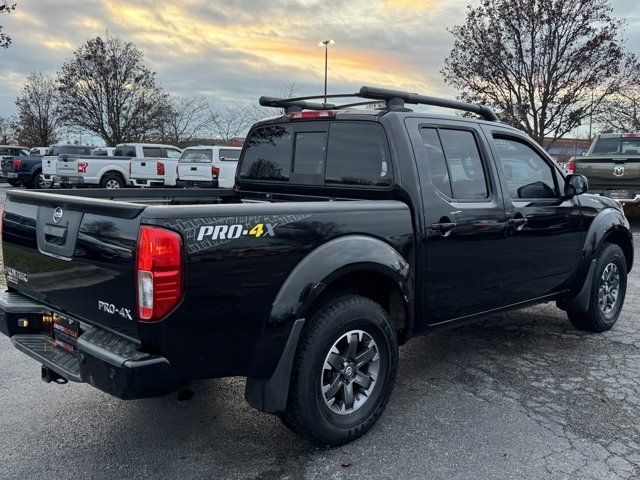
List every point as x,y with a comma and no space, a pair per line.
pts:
521,395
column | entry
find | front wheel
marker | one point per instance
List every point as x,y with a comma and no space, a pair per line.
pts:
607,292
344,371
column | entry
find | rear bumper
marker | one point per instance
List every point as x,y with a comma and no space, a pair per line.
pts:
144,182
196,184
107,361
68,180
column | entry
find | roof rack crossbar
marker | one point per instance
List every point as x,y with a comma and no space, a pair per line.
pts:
291,105
394,99
394,96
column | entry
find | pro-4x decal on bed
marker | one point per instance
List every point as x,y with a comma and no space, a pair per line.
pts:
208,232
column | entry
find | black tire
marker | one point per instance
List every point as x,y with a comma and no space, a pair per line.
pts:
39,182
109,180
599,318
308,413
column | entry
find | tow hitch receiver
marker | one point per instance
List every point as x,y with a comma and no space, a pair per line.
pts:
49,376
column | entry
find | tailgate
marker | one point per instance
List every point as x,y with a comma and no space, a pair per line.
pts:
198,172
49,165
609,171
6,164
144,169
66,166
75,255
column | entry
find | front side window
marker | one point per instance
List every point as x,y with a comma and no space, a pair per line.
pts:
229,154
358,154
268,154
526,173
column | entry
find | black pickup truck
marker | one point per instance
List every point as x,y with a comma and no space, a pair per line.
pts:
349,232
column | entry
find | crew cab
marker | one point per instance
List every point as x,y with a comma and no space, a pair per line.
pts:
612,166
211,167
105,171
158,168
7,154
349,231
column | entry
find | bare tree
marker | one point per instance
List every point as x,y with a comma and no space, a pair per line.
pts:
106,89
537,62
289,90
38,120
231,122
621,112
5,7
187,118
7,131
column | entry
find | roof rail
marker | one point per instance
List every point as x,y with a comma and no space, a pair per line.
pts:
394,100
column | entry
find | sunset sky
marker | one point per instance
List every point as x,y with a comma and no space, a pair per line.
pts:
237,50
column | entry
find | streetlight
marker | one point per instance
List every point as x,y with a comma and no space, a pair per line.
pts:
326,44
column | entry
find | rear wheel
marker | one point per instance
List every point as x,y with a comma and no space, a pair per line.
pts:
343,373
39,181
111,181
607,292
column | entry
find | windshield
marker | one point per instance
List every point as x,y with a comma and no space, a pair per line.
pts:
196,156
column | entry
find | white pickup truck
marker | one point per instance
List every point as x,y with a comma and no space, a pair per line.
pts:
159,169
100,170
205,166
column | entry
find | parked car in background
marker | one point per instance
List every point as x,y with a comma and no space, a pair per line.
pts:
7,154
49,161
204,166
158,167
612,166
105,171
349,232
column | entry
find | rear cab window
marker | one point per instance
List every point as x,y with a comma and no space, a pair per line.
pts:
319,153
153,152
200,155
125,151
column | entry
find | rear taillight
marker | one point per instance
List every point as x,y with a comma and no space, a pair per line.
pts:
215,171
158,272
571,167
160,168
82,167
17,164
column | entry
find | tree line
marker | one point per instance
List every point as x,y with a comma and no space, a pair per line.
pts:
105,89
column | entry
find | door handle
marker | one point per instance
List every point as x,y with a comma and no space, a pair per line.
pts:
444,227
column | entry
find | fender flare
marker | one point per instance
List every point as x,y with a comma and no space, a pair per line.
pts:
607,222
329,262
113,168
304,284
35,167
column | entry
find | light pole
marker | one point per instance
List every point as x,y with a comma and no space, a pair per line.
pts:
326,44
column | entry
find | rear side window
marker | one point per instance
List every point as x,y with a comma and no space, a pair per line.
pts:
437,163
228,154
358,154
152,152
196,156
268,154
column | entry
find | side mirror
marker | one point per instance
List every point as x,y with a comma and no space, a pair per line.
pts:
575,185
